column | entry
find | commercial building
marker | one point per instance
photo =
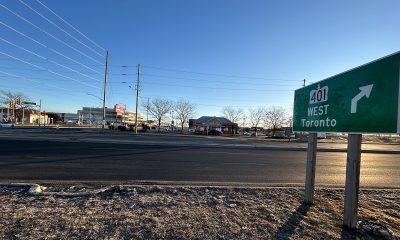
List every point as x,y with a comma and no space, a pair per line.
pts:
25,116
91,115
205,124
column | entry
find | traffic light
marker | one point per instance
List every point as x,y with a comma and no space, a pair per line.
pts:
12,104
19,101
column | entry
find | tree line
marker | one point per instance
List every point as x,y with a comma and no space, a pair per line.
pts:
159,108
272,117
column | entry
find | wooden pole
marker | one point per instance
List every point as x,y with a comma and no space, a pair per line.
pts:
352,180
310,169
105,91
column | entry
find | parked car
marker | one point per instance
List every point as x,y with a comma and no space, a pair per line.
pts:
171,129
7,125
214,132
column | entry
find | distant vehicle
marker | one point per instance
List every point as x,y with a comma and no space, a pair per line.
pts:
7,125
321,135
214,132
191,130
169,129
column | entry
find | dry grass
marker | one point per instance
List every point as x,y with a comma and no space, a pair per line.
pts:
152,212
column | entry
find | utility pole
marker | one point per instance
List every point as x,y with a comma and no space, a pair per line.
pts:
23,115
304,82
40,111
8,113
147,110
137,97
104,93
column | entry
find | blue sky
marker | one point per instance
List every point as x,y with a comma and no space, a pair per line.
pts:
214,53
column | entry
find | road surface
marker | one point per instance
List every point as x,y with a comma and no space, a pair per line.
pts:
78,157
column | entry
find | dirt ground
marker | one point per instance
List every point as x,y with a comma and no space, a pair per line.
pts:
183,212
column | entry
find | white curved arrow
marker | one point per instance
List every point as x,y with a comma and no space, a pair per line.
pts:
365,91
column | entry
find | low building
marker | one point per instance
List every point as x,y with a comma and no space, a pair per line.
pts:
25,116
205,124
91,115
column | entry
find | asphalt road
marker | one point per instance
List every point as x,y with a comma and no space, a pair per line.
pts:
58,156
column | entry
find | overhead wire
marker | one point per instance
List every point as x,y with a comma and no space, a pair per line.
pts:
70,25
60,28
40,84
45,46
216,88
49,34
50,71
213,81
214,74
47,59
145,97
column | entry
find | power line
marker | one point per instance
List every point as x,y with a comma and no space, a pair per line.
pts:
202,98
31,69
60,28
97,45
39,78
39,84
217,88
207,105
30,80
47,59
216,74
213,81
55,73
50,35
43,45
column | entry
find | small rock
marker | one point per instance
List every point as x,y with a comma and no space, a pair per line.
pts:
385,234
232,205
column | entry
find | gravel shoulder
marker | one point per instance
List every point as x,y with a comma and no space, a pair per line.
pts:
193,212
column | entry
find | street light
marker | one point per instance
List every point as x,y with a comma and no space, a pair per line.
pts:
104,108
95,96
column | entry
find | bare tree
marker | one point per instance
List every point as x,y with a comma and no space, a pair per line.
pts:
256,115
184,110
158,108
8,96
232,114
275,117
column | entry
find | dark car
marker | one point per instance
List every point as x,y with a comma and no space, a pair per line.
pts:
214,132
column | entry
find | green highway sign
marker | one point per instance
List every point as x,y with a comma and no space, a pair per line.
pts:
362,100
30,103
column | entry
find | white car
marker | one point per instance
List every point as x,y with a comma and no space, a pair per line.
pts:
7,125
